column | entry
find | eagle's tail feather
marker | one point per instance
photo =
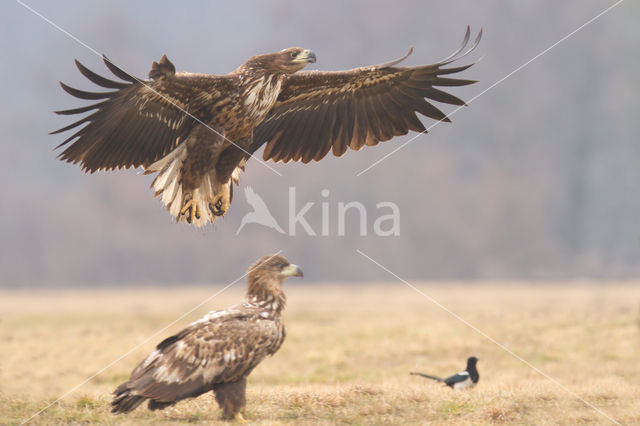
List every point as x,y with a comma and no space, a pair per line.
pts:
159,405
198,206
428,376
124,402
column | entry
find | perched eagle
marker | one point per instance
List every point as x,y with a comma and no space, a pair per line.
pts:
196,131
217,352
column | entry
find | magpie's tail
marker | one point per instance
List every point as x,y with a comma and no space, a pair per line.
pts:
437,379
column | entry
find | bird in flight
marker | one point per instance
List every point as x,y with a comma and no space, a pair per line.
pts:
196,131
464,379
216,353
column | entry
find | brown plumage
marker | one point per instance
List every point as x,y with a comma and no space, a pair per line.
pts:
197,130
217,352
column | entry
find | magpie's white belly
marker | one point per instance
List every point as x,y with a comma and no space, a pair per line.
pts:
464,384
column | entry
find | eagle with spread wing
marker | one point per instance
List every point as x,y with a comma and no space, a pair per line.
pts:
196,131
217,352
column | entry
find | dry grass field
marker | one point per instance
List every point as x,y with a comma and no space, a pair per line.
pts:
347,355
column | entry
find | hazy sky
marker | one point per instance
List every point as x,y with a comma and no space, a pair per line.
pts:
538,177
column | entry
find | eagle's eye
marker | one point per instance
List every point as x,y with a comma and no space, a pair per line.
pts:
293,54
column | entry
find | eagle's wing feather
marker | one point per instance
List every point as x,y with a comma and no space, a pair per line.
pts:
321,111
220,349
140,122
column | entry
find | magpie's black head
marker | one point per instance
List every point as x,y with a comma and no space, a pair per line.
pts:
471,362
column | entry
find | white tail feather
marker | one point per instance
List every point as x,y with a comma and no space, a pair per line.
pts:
168,184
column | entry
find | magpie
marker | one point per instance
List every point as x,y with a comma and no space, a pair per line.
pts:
464,379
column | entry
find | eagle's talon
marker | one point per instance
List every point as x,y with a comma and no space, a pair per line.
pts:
215,210
190,211
220,207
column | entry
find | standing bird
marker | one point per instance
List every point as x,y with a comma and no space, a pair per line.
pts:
464,379
196,131
216,353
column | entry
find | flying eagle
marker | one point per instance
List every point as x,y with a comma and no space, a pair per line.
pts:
196,131
217,352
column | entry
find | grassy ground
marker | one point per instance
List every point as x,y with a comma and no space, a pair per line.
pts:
347,355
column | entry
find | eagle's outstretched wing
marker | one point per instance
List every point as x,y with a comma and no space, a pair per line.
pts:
140,122
321,111
207,352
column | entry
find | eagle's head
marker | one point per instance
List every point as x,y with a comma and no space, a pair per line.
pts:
266,277
286,61
294,59
273,267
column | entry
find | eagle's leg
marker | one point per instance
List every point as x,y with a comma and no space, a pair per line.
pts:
190,208
222,200
229,160
200,187
231,398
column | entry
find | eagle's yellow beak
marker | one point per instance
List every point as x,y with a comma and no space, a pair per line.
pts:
306,56
292,271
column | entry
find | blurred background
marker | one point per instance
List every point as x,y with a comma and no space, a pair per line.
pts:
536,179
